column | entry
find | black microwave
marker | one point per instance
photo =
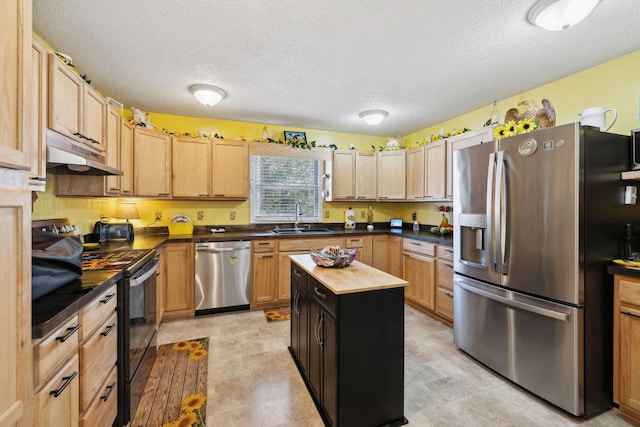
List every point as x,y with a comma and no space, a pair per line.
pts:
635,149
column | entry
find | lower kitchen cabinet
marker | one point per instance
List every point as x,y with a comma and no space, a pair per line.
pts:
265,273
395,256
419,267
349,348
626,328
57,400
364,245
444,292
179,279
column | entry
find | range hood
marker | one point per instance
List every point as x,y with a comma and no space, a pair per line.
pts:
69,158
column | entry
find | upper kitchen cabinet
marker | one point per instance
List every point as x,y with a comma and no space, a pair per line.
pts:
75,109
344,175
366,173
391,175
112,146
126,158
151,163
191,165
230,169
15,60
416,173
39,55
467,139
435,170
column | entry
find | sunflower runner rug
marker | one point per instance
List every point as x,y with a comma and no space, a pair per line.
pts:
176,392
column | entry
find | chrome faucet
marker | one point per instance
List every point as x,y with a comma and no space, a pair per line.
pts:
298,214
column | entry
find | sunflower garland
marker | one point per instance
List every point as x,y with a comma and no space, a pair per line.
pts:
512,128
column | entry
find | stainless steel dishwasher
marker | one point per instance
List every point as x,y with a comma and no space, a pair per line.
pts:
223,276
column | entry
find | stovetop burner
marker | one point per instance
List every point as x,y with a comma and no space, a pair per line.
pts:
111,260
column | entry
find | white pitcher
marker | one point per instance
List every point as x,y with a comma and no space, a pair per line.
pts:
595,116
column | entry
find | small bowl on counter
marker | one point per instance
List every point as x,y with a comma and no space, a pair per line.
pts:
334,256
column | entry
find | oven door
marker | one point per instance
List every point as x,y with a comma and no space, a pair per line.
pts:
142,313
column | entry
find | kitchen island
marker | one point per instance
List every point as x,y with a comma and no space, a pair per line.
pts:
347,340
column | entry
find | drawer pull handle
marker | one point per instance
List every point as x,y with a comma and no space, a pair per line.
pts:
110,388
67,381
296,272
70,331
109,329
449,294
630,314
266,256
108,298
263,243
320,294
447,265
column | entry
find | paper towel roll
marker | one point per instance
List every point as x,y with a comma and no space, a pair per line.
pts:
350,219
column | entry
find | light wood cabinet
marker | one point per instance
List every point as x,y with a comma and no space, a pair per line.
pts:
76,110
191,164
435,170
230,170
126,158
380,252
416,173
392,175
419,267
265,273
364,245
160,280
457,142
38,105
112,147
626,346
344,175
444,292
179,279
16,149
151,163
366,175
395,256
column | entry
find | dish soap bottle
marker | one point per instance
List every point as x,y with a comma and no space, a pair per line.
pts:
416,226
370,219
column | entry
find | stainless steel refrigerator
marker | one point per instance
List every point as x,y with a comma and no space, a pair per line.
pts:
537,218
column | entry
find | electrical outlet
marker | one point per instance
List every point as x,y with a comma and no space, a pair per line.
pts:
327,214
232,215
158,216
362,214
200,215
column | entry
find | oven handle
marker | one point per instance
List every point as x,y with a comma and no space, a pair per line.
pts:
137,281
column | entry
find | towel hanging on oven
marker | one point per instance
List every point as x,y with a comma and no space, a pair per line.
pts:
55,261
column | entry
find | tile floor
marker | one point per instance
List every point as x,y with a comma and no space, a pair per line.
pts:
253,381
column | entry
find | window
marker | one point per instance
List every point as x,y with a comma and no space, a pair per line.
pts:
278,182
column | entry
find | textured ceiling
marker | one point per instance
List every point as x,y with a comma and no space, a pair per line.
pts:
318,64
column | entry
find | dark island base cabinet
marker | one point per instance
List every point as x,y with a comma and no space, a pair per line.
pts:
349,350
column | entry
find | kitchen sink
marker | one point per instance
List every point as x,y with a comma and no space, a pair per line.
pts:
301,231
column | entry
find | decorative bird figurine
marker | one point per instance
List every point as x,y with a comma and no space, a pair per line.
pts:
546,117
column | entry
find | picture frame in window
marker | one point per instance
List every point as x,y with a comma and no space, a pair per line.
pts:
300,137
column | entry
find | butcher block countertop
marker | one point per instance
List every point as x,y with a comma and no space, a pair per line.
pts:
356,277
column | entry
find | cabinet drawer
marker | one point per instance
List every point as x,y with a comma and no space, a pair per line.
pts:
418,246
264,246
444,303
98,355
57,402
354,242
445,274
445,252
104,408
323,295
299,276
292,245
630,292
52,350
93,314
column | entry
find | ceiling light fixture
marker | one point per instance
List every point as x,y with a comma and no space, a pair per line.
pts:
557,15
207,94
373,117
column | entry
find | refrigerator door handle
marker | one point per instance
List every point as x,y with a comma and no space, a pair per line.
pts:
501,209
558,315
490,214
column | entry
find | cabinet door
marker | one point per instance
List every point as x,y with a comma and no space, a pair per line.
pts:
65,99
94,117
126,158
57,401
15,90
395,256
112,146
435,166
151,163
366,173
419,271
416,173
179,279
391,175
329,346
284,275
263,288
299,317
629,375
315,349
344,176
365,248
191,165
39,58
230,170
380,252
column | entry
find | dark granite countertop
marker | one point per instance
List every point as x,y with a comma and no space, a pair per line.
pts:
51,310
623,271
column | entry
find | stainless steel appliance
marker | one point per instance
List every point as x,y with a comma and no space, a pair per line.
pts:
136,321
223,276
538,217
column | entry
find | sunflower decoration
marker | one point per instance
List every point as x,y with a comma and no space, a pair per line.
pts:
512,128
526,126
186,419
197,354
181,345
192,402
194,345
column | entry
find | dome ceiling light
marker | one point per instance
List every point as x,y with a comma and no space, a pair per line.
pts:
373,117
207,94
557,15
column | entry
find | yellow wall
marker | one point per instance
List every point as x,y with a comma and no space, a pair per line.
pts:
614,84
